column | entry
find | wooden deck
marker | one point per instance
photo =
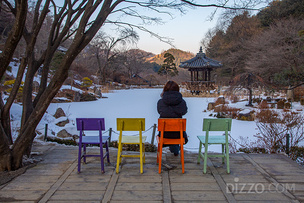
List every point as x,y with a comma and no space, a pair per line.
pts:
253,178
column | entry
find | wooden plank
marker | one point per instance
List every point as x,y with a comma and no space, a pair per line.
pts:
110,189
130,195
166,187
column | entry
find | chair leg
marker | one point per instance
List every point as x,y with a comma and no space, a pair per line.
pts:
79,156
223,153
101,158
205,158
144,153
157,154
120,154
160,158
199,153
84,153
227,158
118,157
182,158
141,158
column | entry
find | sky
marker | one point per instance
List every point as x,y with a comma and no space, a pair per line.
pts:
187,31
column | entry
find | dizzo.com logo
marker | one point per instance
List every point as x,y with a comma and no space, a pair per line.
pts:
258,188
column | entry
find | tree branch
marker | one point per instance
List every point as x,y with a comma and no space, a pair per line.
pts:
219,6
166,40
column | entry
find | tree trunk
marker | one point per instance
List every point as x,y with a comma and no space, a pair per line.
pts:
250,97
5,152
99,66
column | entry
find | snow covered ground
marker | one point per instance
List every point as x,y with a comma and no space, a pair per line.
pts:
139,103
135,103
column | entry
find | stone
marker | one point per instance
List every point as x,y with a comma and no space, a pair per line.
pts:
220,100
98,92
77,97
290,94
87,97
211,106
64,134
246,115
59,113
63,123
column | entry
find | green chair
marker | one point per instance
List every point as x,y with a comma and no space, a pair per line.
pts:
209,125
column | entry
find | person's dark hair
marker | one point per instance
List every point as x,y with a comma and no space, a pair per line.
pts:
170,86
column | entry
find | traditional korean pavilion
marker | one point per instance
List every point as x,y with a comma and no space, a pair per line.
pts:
200,68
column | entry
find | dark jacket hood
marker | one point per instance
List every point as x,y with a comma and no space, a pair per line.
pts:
172,98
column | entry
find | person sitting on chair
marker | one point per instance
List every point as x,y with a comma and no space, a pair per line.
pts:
172,105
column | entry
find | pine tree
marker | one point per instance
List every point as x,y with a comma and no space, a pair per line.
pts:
169,67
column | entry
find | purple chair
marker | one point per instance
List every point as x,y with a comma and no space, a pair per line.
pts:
92,124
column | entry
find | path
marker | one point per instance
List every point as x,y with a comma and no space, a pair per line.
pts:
253,178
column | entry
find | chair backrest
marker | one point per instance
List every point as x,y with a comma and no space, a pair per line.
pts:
220,124
90,124
171,124
130,124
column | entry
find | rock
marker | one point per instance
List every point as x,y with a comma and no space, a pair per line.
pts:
98,92
64,134
219,108
59,113
287,105
77,97
220,100
211,106
290,94
246,115
87,97
280,104
63,123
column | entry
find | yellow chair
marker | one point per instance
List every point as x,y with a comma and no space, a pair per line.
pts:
171,124
131,124
209,125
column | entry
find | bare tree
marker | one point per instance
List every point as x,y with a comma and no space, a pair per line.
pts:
277,53
229,45
105,48
248,81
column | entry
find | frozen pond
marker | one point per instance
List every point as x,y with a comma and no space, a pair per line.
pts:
141,103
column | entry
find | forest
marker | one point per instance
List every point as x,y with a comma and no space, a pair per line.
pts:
268,44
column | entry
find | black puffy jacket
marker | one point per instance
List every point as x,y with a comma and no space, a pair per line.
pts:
172,105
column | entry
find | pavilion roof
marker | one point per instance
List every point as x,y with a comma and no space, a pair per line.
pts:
200,61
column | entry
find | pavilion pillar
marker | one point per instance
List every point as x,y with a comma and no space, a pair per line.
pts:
197,75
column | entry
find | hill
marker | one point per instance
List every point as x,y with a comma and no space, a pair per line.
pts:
178,54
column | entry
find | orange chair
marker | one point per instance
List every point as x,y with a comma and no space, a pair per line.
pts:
171,124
